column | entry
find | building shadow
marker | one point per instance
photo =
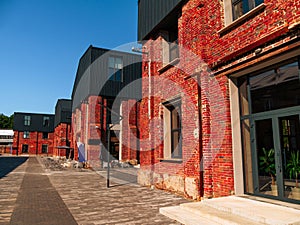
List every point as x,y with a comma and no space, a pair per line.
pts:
119,177
8,164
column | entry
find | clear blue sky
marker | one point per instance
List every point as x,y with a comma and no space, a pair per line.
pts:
41,42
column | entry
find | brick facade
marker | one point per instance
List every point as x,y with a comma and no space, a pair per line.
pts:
209,53
90,129
62,138
34,143
129,136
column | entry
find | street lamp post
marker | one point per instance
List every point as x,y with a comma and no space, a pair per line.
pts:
108,129
108,151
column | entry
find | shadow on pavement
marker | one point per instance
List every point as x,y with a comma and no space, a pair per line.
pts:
124,176
119,178
8,164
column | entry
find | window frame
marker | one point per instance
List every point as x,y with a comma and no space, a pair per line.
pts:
44,146
25,147
112,71
170,131
246,6
46,121
170,48
45,135
27,120
26,135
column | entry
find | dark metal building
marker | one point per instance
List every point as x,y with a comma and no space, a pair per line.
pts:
154,15
96,76
63,112
33,122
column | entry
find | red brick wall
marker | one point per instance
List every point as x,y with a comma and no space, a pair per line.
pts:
62,133
199,27
129,126
34,142
92,131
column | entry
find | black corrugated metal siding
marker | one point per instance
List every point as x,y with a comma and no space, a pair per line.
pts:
95,78
100,83
152,12
63,112
36,122
83,72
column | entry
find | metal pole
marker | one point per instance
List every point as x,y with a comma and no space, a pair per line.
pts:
37,143
18,143
108,137
108,155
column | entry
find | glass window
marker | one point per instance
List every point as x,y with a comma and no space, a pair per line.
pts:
46,120
170,50
26,134
115,68
44,148
240,7
173,128
24,148
275,89
45,135
173,45
27,120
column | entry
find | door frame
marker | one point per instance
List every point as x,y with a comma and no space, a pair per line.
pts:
274,115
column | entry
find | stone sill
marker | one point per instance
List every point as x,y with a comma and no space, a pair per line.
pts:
169,65
242,19
170,160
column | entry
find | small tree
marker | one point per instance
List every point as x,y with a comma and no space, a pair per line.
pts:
293,166
267,163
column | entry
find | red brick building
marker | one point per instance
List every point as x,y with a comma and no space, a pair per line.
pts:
33,134
63,129
220,93
96,103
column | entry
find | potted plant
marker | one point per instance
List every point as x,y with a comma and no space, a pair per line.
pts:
267,165
293,168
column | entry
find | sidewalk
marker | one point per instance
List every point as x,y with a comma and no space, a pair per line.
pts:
31,194
38,202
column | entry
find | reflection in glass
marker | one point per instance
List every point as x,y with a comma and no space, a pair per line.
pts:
266,157
275,89
290,145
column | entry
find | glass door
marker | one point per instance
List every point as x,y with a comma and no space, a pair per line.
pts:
265,158
289,131
276,154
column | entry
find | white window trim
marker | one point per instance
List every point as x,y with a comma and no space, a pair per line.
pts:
228,17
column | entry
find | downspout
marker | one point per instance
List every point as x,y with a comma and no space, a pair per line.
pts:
18,143
37,143
201,191
137,133
86,129
121,134
149,89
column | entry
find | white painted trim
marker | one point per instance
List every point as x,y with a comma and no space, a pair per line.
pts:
236,139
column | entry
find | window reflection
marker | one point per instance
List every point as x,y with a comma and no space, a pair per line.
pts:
275,89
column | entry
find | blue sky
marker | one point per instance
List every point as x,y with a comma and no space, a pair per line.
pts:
41,42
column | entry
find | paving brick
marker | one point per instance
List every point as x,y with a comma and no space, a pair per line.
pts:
38,202
32,194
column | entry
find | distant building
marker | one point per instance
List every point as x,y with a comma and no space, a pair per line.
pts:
100,77
6,140
33,133
62,129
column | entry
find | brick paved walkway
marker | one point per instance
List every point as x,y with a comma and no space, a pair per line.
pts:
71,196
38,202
